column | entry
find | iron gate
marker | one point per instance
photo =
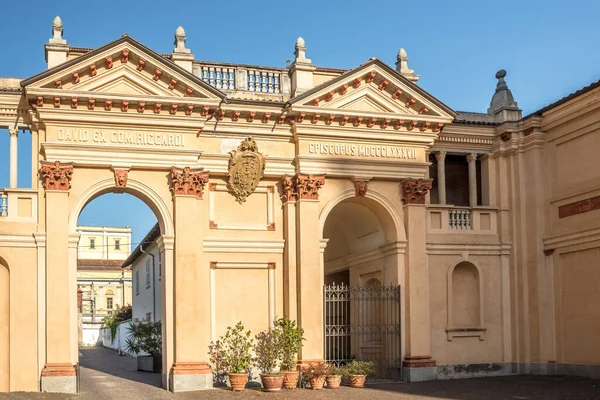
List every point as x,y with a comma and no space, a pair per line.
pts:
363,323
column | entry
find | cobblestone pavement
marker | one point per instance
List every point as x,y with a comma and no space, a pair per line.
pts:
105,375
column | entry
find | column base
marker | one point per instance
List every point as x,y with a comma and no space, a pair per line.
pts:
190,376
59,378
419,368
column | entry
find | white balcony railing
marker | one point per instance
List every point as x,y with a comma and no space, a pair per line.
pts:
244,78
19,205
452,219
459,218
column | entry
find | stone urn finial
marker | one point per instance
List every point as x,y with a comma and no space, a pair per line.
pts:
180,39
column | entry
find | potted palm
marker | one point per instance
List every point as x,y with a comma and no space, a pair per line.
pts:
233,353
267,354
358,371
334,376
145,341
315,373
291,339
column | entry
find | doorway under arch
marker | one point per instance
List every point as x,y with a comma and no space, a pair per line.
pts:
109,228
362,296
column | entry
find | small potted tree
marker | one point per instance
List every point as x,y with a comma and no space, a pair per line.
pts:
233,353
334,376
358,371
145,341
315,373
291,339
268,353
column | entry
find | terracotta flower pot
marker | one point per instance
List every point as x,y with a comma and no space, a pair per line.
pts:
238,381
290,379
271,382
317,383
357,381
334,381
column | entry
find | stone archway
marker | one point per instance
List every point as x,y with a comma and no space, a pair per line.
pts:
363,265
156,202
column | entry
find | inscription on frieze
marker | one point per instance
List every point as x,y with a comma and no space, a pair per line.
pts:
83,135
362,150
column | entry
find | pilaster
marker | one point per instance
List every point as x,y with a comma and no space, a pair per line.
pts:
418,364
191,317
290,294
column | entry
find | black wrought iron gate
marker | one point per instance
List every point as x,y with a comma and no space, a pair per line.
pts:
363,323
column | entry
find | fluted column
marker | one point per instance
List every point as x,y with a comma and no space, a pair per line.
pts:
14,135
472,158
440,156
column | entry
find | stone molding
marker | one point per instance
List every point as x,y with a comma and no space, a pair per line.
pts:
56,176
418,362
415,190
188,181
59,369
190,368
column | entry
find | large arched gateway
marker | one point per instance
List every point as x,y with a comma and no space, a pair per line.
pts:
270,185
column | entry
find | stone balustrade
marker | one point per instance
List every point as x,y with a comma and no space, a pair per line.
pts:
231,77
18,205
465,220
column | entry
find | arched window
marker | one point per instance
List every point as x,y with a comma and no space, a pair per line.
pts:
465,301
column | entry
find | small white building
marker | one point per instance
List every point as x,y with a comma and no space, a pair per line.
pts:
146,274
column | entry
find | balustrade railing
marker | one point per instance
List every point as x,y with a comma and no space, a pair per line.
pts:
460,218
3,204
244,78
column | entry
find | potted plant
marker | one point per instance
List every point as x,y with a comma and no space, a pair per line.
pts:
291,339
358,371
233,353
334,377
268,353
315,373
145,338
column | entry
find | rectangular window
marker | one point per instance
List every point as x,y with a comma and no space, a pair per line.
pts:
117,244
148,274
92,243
137,282
109,303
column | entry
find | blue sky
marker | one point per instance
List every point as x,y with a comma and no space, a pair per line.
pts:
549,48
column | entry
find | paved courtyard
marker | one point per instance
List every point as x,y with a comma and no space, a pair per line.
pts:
105,375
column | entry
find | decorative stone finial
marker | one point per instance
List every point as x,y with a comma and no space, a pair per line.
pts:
57,31
402,66
300,51
502,98
180,40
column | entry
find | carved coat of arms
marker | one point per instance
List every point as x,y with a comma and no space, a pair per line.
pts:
246,168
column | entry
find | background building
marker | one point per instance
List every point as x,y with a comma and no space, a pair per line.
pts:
102,285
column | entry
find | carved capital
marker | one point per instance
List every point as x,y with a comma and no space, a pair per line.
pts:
472,157
307,186
415,190
440,156
288,185
360,187
13,132
121,177
56,176
188,181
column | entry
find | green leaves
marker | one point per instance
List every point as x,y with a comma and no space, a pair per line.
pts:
360,368
290,338
231,352
144,337
268,351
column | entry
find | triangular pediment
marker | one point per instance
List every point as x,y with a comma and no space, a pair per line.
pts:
373,89
122,68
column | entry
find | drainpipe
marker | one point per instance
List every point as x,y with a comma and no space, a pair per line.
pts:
153,284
